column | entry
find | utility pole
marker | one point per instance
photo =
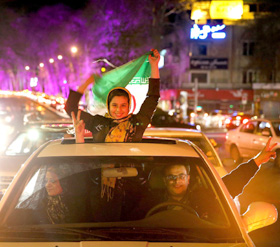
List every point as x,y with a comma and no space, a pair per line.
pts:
195,95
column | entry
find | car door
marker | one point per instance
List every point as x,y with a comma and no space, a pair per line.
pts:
245,139
263,131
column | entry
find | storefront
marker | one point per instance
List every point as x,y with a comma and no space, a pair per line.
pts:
210,99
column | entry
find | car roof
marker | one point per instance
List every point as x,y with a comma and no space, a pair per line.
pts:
148,147
172,132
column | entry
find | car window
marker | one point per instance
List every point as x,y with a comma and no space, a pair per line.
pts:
276,127
263,128
27,142
249,127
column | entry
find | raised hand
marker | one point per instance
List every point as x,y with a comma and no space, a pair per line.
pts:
155,58
79,126
266,154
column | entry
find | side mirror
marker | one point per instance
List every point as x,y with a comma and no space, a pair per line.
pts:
259,215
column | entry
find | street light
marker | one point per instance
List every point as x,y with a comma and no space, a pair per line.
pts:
27,68
74,49
41,65
51,60
59,57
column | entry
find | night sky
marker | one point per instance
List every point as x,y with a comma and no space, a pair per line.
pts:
34,5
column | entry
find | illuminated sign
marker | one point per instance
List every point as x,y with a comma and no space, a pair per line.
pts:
232,10
209,63
206,31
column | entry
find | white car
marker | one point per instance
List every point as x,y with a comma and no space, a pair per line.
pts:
249,139
24,143
103,192
195,136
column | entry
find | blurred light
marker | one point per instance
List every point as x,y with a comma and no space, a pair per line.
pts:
199,108
39,108
245,120
41,65
59,57
4,132
238,118
8,119
227,121
103,69
27,68
231,106
33,81
33,135
64,81
51,60
74,49
197,14
192,114
224,9
161,60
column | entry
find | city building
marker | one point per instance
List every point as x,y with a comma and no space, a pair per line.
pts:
214,63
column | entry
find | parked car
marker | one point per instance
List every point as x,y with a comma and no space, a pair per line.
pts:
100,186
24,143
195,136
250,138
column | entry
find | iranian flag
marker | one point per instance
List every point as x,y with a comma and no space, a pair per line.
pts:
133,75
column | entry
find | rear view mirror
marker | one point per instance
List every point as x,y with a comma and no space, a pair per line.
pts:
259,215
120,172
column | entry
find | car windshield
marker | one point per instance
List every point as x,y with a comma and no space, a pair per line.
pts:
122,197
276,127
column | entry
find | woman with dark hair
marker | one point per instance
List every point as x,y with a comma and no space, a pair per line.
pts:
117,125
56,209
64,201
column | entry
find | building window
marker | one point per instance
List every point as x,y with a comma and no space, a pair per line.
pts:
199,50
252,7
199,76
202,50
248,48
249,76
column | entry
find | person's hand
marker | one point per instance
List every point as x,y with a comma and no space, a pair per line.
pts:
153,60
266,154
79,126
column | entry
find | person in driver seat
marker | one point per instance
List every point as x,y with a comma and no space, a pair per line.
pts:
176,179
